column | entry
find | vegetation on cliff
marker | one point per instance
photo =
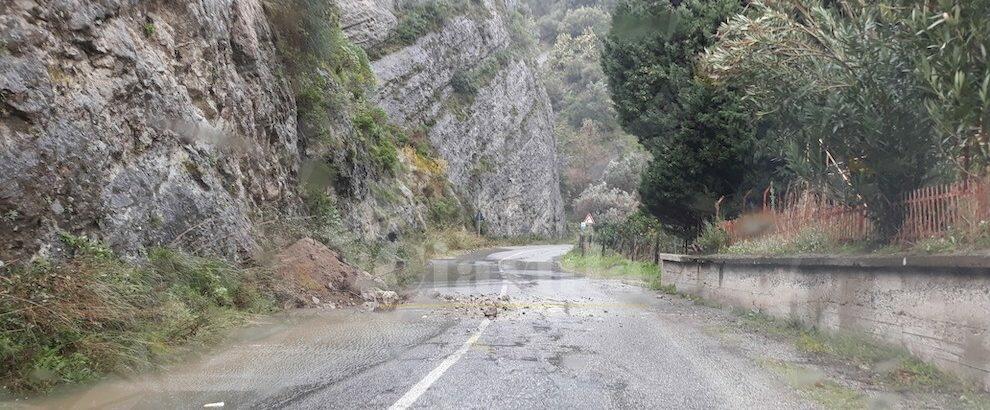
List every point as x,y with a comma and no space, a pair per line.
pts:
352,151
419,18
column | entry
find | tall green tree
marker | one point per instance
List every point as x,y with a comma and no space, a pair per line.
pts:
704,140
953,37
836,79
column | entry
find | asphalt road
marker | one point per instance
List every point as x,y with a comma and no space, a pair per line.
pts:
557,341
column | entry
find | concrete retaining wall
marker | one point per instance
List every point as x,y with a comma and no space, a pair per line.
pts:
938,308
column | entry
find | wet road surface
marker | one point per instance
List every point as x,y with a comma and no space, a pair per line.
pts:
550,340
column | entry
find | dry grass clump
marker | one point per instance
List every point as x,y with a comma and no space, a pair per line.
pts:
95,314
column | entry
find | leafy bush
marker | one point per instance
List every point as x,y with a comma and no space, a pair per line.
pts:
149,29
951,59
712,239
462,84
837,84
323,209
446,213
609,205
379,137
624,172
584,19
419,18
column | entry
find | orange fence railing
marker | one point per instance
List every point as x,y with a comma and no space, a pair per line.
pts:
928,212
936,210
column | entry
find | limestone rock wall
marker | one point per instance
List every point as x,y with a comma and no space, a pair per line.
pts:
501,149
140,124
172,123
367,22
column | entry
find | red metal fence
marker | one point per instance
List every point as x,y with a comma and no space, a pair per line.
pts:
934,211
928,212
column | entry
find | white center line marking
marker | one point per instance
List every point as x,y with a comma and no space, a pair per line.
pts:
413,394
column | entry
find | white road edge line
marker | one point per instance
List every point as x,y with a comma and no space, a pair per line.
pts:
413,394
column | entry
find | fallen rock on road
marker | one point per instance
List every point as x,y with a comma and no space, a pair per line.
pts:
381,300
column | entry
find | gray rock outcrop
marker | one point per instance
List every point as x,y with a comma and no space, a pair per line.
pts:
503,157
163,123
367,22
414,81
501,150
141,124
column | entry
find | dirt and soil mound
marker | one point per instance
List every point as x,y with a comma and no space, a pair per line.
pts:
313,275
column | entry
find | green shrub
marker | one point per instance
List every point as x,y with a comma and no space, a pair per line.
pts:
890,364
86,246
462,84
446,213
421,18
712,239
149,29
323,209
379,137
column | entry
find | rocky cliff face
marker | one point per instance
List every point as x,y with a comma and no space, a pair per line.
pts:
141,123
500,145
367,22
170,123
503,157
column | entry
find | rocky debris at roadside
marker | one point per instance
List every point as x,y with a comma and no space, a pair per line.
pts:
313,275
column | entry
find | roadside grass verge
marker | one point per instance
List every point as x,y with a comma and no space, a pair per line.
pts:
816,386
95,314
810,241
807,241
882,364
611,265
888,365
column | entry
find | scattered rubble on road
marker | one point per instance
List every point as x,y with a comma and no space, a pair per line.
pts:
480,305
